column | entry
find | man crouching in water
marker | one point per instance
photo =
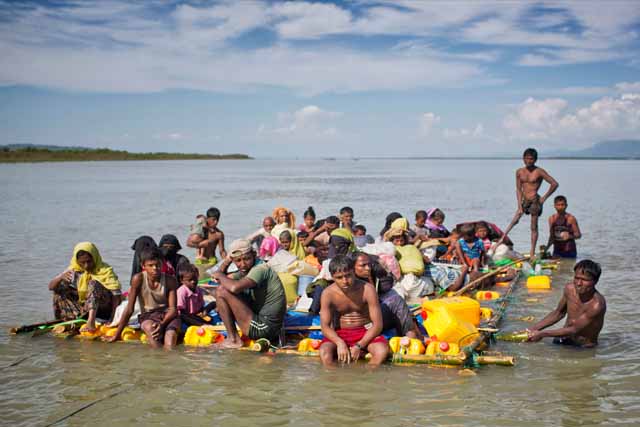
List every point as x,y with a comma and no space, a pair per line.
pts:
584,306
353,305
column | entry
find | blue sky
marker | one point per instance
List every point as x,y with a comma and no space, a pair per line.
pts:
320,79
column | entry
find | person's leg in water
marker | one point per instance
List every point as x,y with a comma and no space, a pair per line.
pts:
379,352
328,352
232,309
514,221
534,236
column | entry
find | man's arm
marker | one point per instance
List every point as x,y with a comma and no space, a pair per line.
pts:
193,240
554,317
577,325
313,234
519,190
553,185
575,229
223,251
172,310
233,286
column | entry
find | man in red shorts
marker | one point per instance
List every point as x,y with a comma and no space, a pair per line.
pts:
354,305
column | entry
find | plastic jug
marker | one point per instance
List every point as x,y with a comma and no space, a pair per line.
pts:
308,345
487,295
442,347
199,336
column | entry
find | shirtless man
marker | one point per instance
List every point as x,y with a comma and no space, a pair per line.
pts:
584,307
528,182
253,299
354,305
213,237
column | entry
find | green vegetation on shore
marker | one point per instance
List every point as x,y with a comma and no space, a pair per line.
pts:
35,154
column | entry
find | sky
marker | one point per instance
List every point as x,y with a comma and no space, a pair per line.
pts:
276,79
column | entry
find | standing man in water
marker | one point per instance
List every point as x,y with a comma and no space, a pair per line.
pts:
584,307
528,181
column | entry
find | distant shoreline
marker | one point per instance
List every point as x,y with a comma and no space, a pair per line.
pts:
40,155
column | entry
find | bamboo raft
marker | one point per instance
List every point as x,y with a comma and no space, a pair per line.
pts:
472,355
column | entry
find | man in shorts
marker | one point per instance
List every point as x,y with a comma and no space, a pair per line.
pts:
253,298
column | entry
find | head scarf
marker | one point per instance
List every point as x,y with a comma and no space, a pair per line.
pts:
295,248
387,224
269,247
141,243
400,223
172,255
341,242
101,272
430,224
291,221
394,232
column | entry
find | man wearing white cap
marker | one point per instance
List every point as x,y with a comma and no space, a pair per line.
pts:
254,298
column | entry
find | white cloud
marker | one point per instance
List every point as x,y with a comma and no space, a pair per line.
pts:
170,136
628,87
427,122
310,123
476,133
549,120
303,20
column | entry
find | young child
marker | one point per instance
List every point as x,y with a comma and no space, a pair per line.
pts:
482,233
419,227
563,230
354,305
450,254
309,218
190,298
360,236
469,248
198,230
213,237
156,295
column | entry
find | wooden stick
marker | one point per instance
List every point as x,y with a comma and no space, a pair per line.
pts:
287,328
469,286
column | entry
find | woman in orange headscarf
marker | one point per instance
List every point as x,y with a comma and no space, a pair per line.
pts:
283,215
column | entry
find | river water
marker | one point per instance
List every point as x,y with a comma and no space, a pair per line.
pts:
47,208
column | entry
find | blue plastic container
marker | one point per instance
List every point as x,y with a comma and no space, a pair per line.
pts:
303,282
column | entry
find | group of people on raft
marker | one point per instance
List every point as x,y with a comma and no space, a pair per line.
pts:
361,285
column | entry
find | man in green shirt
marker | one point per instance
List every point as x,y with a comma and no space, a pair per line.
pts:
253,299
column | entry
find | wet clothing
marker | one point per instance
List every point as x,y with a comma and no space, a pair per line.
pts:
67,306
395,313
140,244
563,248
352,335
532,207
157,317
267,300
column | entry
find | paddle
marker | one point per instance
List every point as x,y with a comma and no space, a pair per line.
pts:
472,284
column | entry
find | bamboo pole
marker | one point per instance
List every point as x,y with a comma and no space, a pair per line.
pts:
474,283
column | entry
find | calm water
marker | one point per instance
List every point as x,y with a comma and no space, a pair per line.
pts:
47,208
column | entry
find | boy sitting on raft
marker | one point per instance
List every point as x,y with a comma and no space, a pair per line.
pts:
190,297
355,306
469,248
584,307
563,230
156,295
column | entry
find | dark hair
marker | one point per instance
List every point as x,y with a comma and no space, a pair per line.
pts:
559,199
346,209
81,253
188,268
421,214
531,152
333,220
303,234
467,230
213,213
341,264
591,268
150,254
388,220
361,228
438,214
481,224
273,221
286,234
310,212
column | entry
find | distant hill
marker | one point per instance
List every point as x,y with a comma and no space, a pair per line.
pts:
13,147
621,149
